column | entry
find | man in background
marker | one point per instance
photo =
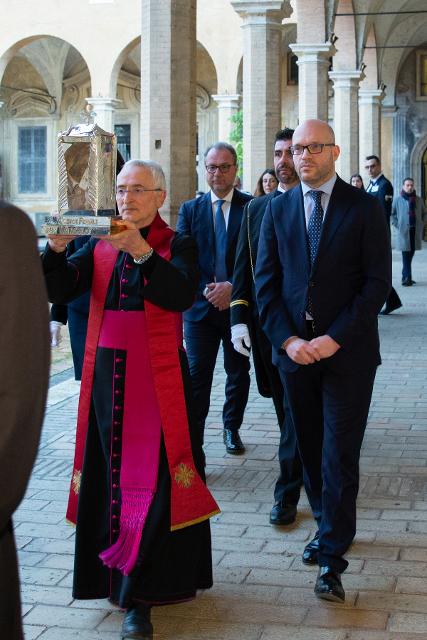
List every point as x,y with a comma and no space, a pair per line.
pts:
246,332
214,221
408,215
382,189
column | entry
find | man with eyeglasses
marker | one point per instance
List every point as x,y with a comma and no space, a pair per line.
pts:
382,189
323,272
142,536
214,221
247,334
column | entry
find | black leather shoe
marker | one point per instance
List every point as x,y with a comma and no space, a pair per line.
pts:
232,441
407,282
311,551
283,513
328,585
137,623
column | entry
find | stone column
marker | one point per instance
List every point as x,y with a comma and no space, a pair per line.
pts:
346,121
313,64
262,26
168,95
103,108
369,124
401,152
228,105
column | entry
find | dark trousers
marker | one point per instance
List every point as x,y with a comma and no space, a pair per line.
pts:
407,256
288,486
330,411
202,339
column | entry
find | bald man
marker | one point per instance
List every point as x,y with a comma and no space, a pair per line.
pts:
323,273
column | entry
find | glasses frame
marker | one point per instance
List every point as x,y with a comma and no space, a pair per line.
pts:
307,146
139,191
213,168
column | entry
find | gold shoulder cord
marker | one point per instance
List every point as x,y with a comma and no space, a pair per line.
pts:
249,241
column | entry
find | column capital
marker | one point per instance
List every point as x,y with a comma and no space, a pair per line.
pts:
390,111
313,52
226,100
104,104
346,78
370,96
255,11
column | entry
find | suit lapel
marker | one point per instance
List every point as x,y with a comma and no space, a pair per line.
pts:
339,204
234,220
208,226
298,224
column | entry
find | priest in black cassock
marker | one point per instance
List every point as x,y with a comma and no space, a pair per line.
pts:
137,495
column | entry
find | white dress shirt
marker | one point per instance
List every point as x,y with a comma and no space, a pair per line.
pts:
326,196
225,206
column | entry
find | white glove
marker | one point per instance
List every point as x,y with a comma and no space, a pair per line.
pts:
240,339
55,333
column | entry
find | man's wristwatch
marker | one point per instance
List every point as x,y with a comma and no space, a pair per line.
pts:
144,257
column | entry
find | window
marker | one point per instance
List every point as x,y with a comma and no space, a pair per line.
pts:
32,159
122,132
422,75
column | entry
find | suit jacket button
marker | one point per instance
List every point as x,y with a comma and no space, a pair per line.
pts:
311,283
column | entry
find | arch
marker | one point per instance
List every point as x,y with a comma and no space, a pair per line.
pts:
41,67
415,159
370,60
207,75
239,78
120,60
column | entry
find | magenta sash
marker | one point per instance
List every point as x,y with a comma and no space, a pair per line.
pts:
127,330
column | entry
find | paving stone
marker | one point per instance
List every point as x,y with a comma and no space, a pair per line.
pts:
33,594
61,633
399,568
287,632
409,622
411,585
64,616
392,602
37,575
337,615
31,632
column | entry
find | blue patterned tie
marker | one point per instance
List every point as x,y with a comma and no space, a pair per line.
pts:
220,243
314,228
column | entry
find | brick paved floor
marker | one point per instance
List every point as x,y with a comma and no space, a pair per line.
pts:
262,591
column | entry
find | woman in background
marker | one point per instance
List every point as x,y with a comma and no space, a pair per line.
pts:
267,182
356,181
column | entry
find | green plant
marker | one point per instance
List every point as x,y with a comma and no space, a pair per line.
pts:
236,136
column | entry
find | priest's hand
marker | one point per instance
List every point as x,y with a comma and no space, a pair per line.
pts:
128,239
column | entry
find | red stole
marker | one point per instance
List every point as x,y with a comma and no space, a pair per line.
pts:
191,501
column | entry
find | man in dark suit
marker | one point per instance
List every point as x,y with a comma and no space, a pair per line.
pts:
323,273
214,221
382,189
24,376
76,313
246,333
